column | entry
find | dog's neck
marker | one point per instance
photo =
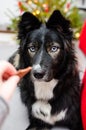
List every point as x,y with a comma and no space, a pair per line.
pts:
44,90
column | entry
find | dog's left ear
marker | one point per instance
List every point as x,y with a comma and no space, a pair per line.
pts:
60,23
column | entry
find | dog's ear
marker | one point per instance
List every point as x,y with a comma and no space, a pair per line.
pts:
27,23
60,23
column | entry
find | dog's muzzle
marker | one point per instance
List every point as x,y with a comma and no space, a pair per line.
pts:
38,72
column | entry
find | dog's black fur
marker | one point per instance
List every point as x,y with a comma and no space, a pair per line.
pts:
48,48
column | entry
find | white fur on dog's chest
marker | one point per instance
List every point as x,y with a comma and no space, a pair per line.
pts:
42,110
44,90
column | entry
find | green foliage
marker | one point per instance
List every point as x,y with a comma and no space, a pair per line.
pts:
14,23
75,19
44,8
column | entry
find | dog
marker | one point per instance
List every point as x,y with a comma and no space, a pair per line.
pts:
51,91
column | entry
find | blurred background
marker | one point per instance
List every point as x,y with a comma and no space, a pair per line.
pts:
10,14
11,10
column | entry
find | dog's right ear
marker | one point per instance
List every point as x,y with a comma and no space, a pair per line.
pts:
27,23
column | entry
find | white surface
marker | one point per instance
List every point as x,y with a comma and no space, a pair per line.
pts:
8,38
6,5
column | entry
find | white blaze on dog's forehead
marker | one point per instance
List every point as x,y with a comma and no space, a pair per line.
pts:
37,67
42,110
44,90
16,60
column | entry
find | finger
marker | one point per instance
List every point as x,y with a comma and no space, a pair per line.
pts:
6,69
8,87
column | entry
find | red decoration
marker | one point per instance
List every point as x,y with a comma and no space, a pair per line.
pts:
83,102
46,7
82,44
20,6
47,10
68,5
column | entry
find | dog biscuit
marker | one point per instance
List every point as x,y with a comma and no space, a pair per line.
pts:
22,72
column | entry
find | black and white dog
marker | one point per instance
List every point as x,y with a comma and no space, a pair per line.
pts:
51,91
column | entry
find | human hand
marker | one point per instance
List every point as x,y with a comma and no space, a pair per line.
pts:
8,80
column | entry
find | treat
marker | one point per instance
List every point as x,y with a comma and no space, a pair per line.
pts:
22,72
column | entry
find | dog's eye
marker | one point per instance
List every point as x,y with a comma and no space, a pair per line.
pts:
53,49
32,48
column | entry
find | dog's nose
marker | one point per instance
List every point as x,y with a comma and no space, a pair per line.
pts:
39,75
38,72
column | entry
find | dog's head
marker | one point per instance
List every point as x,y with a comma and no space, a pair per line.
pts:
45,46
